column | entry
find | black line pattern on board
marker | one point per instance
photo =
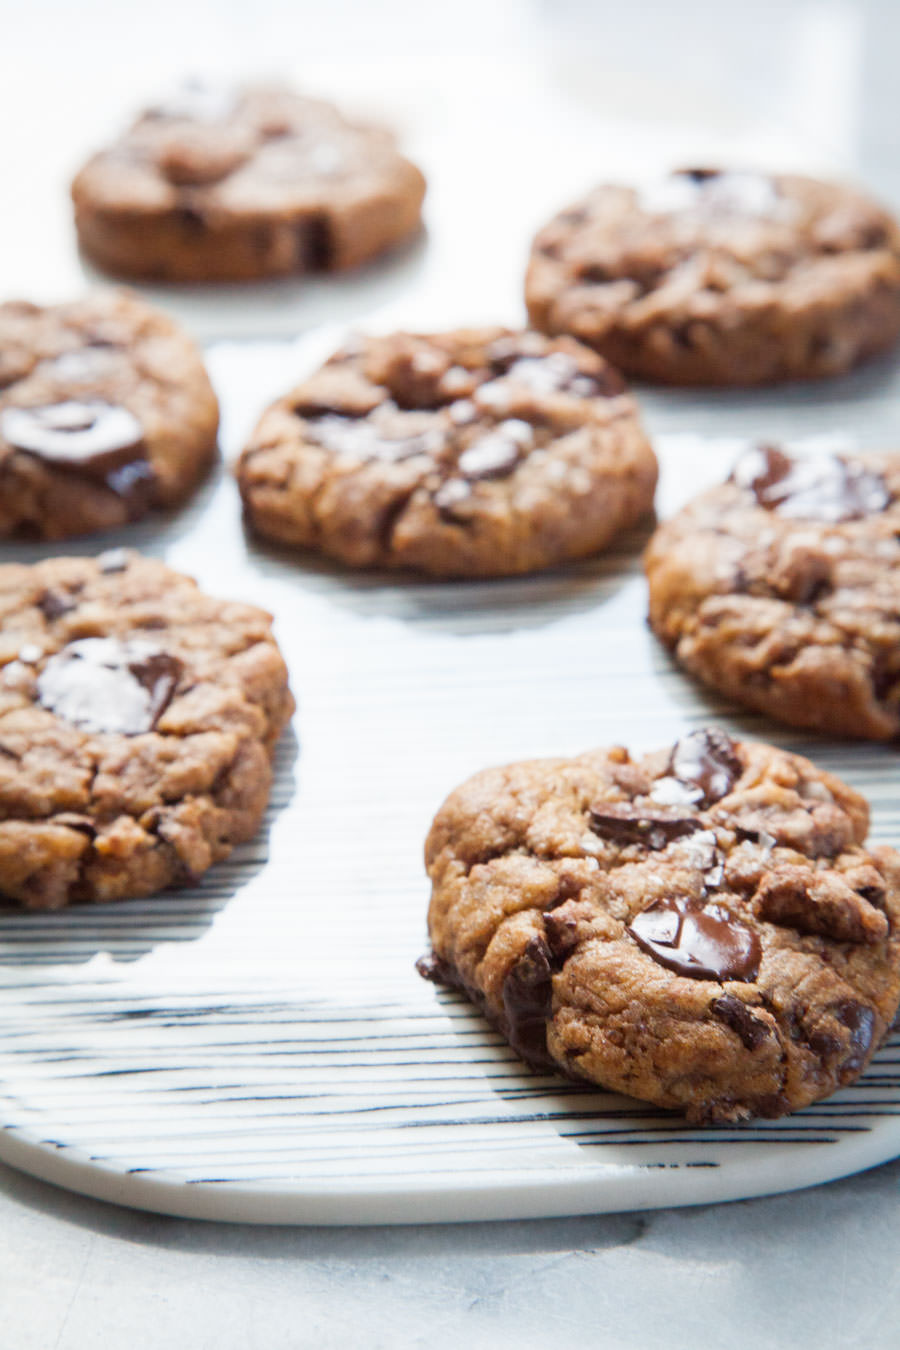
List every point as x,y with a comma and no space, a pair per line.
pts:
375,1089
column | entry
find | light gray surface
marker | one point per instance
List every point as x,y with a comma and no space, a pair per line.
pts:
805,82
817,1268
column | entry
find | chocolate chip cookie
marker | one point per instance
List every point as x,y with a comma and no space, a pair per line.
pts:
719,277
137,722
233,184
466,454
106,412
701,927
781,589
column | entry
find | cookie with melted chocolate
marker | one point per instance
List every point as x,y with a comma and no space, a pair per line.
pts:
137,722
721,277
473,453
220,183
781,589
702,927
106,413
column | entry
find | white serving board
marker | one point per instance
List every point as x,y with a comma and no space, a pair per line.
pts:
260,1048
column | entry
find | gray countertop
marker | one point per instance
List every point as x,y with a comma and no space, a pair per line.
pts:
813,1268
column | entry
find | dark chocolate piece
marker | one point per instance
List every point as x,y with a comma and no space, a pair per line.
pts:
106,685
820,487
740,1019
527,1002
624,823
700,940
860,1022
54,604
561,930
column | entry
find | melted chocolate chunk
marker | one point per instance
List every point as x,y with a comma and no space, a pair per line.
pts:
700,940
106,685
496,454
820,487
624,823
740,1019
527,1002
706,760
434,968
99,440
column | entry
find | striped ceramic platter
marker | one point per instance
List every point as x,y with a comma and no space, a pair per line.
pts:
260,1048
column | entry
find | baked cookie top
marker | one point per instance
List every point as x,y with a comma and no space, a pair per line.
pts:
781,588
701,927
716,276
137,719
218,183
106,411
478,452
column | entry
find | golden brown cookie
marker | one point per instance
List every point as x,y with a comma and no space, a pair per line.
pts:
137,722
234,184
701,927
474,453
106,413
721,277
781,589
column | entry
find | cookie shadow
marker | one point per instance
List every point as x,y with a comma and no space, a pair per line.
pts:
154,535
860,405
279,307
126,930
460,607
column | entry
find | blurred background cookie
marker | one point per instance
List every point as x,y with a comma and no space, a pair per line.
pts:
220,183
472,453
781,589
106,412
721,277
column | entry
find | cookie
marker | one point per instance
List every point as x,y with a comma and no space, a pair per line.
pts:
106,412
719,277
467,454
701,927
235,184
781,589
137,722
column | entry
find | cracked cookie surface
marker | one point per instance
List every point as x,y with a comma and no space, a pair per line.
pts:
701,927
230,184
721,277
463,454
781,589
106,413
137,722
